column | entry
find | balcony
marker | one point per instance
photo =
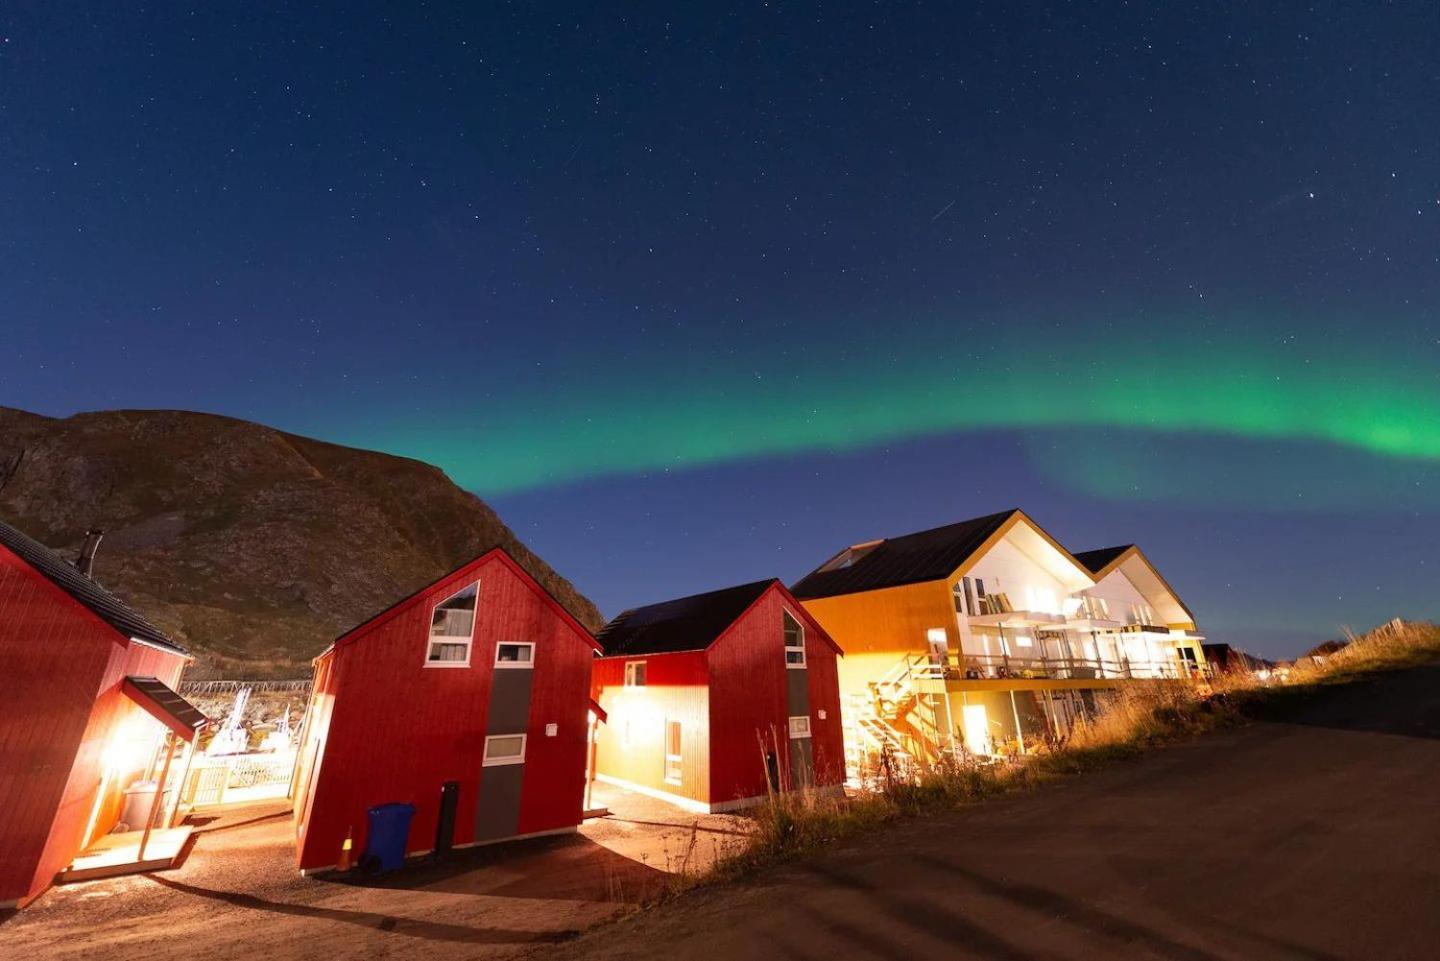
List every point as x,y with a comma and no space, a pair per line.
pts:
1011,667
1018,619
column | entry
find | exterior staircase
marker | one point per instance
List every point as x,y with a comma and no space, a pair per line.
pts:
903,719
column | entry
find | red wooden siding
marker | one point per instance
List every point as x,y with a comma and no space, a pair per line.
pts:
827,739
676,689
387,728
63,668
748,700
728,698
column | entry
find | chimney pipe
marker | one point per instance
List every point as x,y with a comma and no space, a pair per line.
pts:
85,563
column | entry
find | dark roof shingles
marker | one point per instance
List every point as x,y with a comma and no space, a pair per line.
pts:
909,559
99,601
684,624
1096,561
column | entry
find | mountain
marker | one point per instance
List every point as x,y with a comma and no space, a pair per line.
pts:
253,547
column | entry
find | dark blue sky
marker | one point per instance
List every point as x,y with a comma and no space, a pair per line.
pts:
697,295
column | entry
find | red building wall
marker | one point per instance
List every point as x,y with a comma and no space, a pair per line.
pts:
63,667
749,702
397,730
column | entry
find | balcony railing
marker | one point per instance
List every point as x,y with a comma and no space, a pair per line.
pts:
1003,666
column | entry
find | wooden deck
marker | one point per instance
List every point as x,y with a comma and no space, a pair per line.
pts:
116,854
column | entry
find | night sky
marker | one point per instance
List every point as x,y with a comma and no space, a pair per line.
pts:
701,295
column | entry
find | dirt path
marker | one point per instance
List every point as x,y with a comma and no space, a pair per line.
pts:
1312,835
237,895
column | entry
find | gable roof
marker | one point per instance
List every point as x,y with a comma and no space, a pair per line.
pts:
100,602
1102,557
500,554
909,559
1104,560
683,624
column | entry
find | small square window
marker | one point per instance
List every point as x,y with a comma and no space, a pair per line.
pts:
504,749
515,655
634,673
800,726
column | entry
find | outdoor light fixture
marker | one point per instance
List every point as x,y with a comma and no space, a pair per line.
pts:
129,745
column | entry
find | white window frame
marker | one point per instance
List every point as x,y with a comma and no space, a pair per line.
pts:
515,665
802,729
630,674
432,639
677,759
793,665
488,761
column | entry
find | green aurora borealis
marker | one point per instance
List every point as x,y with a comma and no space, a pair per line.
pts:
1169,378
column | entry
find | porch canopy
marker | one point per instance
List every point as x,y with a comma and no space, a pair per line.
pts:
167,707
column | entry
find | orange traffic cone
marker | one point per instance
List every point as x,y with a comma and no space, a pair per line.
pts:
344,864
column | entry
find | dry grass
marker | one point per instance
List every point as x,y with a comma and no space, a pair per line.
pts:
1137,718
1390,646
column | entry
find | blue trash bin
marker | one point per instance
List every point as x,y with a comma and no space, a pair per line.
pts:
385,841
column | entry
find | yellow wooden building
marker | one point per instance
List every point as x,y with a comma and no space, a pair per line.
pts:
987,635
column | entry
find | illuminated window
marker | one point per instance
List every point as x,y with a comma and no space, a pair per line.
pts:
794,641
634,673
504,749
799,727
515,654
452,629
672,752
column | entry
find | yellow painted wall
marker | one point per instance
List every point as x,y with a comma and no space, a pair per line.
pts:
876,628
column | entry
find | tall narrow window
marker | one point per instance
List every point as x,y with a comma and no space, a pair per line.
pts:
794,641
452,629
672,752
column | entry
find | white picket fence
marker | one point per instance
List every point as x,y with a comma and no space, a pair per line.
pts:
236,778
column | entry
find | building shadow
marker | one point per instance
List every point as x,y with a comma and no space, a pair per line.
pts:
679,826
425,930
202,822
561,867
986,938
1095,921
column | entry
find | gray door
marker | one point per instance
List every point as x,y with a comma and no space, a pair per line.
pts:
497,813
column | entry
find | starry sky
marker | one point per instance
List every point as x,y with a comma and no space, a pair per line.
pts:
697,294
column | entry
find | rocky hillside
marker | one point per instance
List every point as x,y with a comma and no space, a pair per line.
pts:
253,547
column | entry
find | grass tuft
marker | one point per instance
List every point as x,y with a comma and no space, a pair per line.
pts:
1139,717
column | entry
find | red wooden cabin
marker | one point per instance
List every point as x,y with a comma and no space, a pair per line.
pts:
716,699
84,705
467,699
